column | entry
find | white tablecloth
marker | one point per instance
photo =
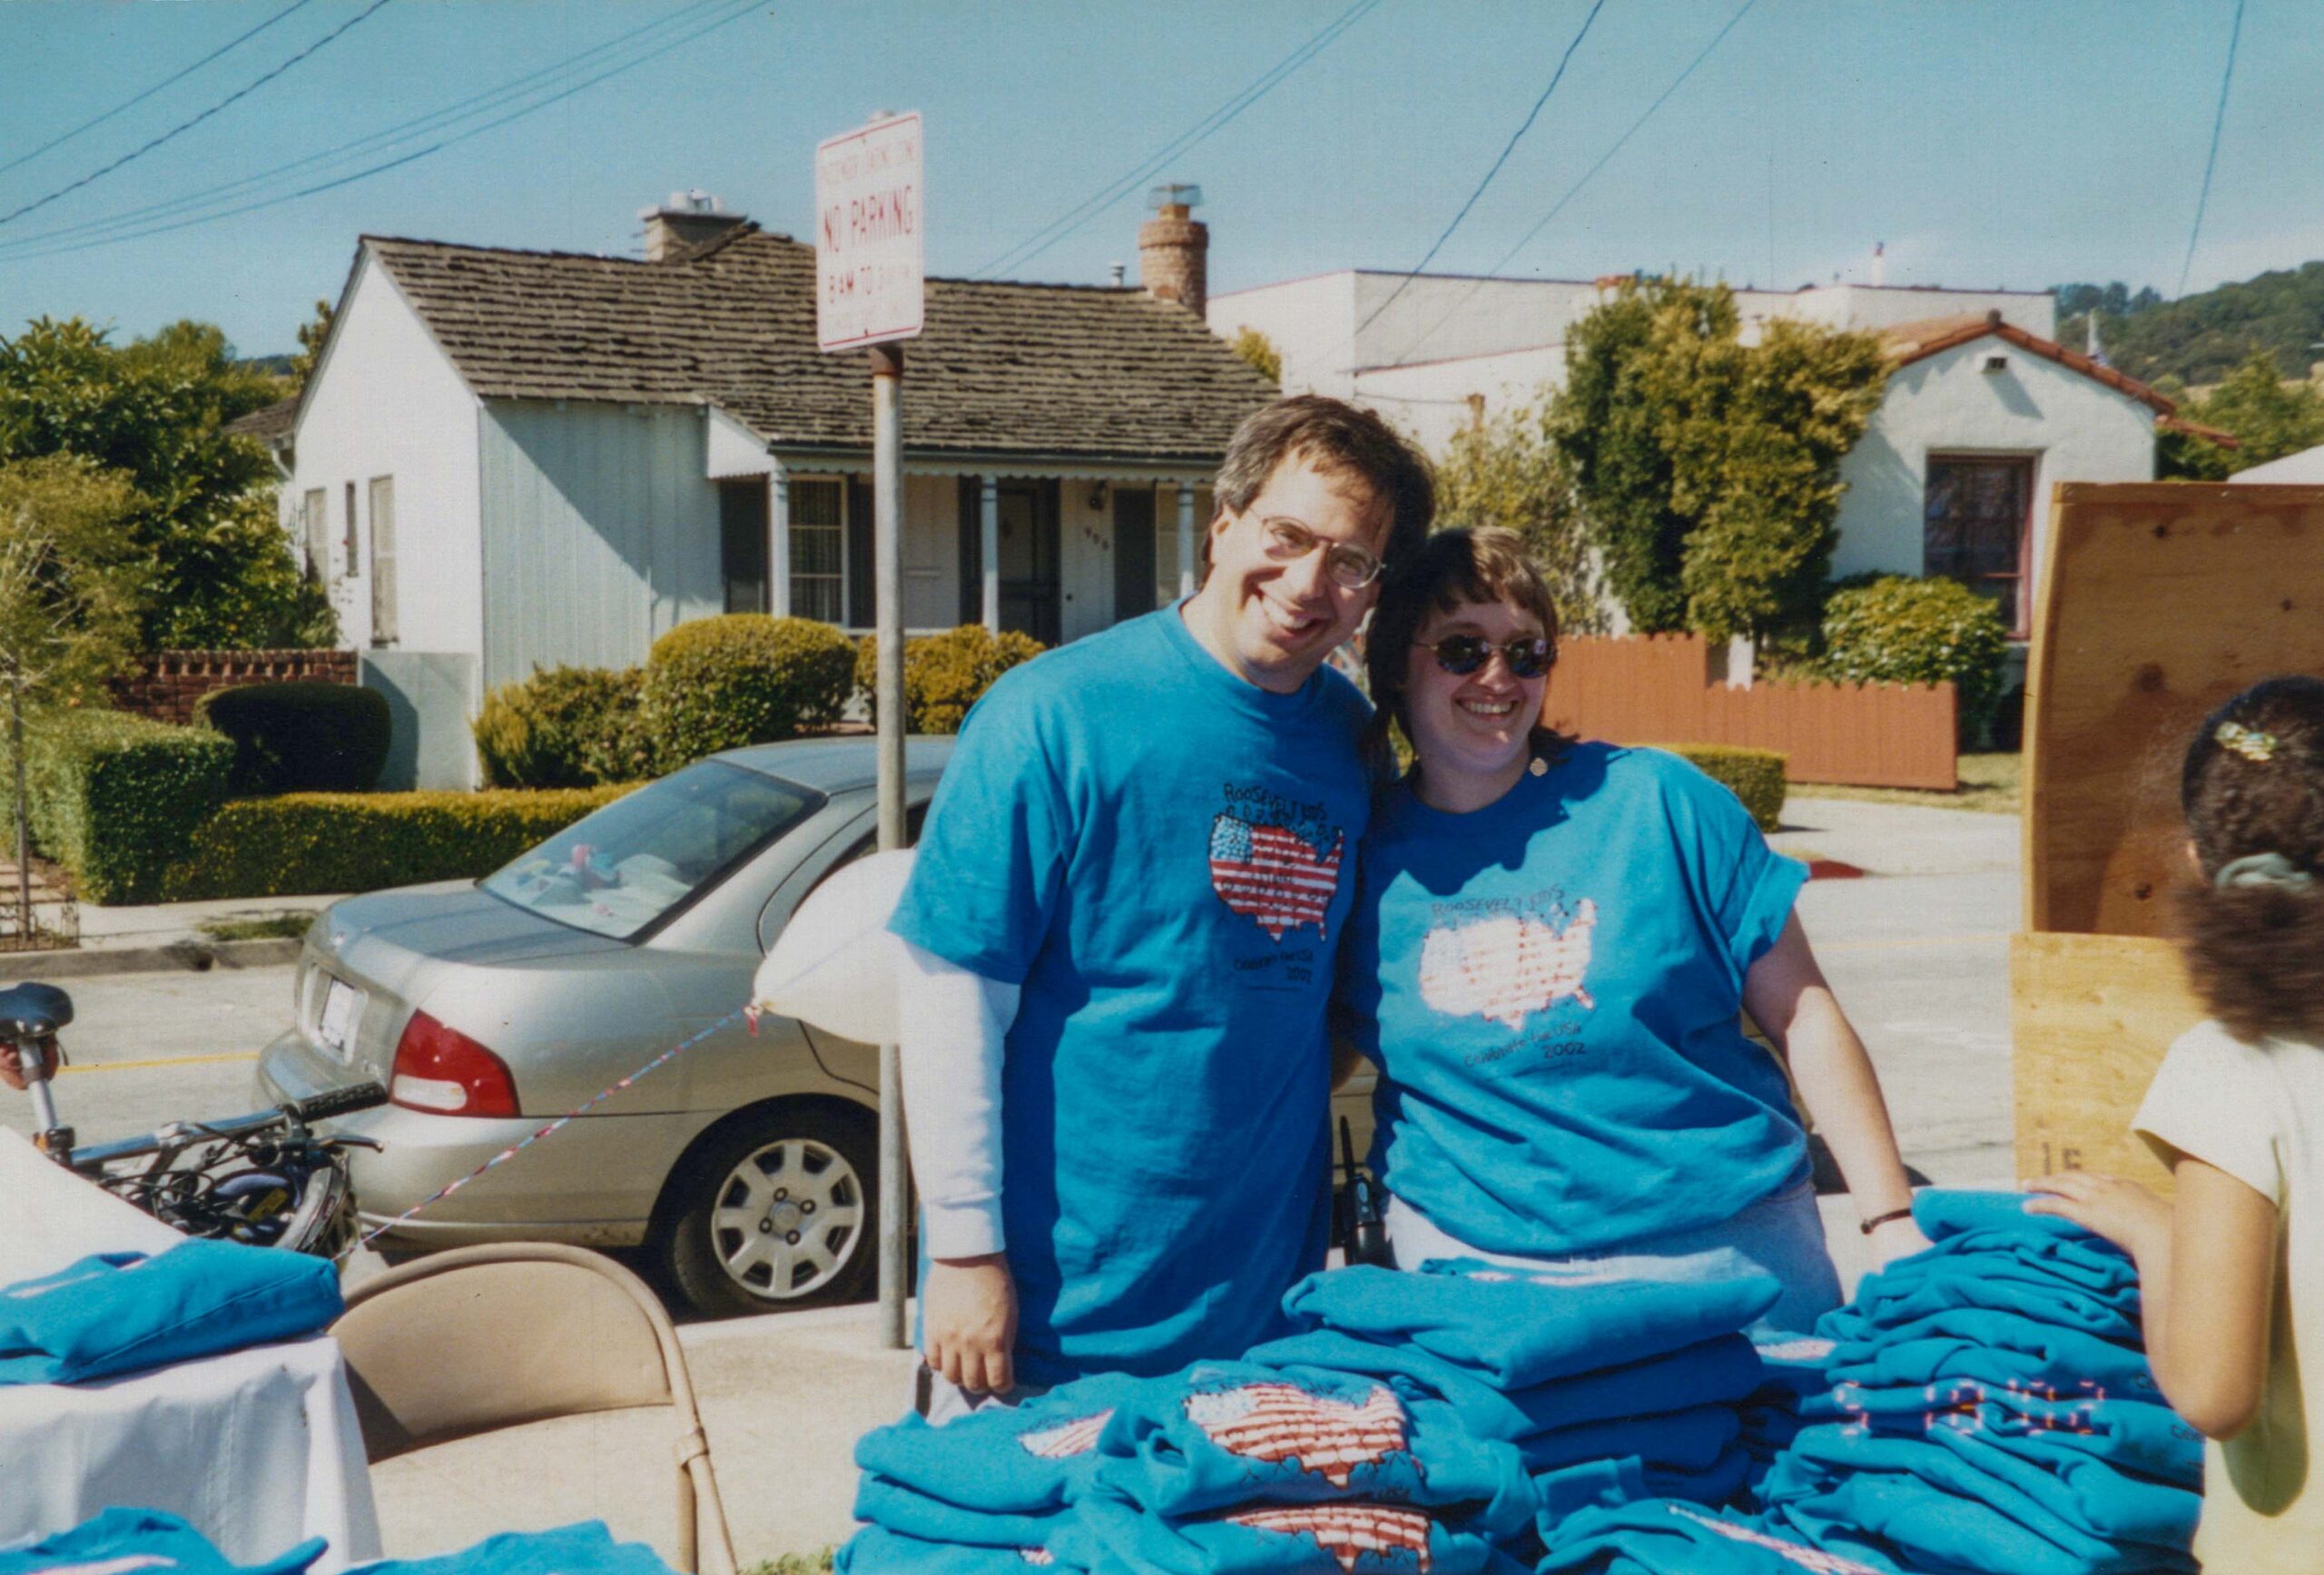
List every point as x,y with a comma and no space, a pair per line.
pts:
259,1449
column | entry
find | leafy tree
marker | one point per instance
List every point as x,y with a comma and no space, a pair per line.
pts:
2268,416
1706,470
2203,338
312,334
155,412
1250,344
71,580
1506,472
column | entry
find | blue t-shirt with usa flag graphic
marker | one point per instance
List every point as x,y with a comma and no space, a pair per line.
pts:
1164,855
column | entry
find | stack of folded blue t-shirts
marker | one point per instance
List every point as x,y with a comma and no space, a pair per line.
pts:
155,1542
116,1312
1222,1467
1666,1537
1988,1406
1611,1389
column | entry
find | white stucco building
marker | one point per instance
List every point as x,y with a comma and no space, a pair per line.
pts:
1983,409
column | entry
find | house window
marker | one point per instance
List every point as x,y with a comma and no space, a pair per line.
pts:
315,530
383,560
741,543
819,550
349,557
1977,528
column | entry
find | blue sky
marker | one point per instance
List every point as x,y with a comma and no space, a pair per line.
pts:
1986,142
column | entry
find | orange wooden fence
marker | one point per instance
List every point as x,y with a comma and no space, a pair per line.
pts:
1663,689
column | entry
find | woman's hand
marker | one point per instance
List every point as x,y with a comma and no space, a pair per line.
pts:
11,1071
1896,1238
2123,1212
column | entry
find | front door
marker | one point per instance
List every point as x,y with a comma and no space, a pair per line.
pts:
1029,554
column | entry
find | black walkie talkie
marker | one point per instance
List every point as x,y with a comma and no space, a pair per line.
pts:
1367,1234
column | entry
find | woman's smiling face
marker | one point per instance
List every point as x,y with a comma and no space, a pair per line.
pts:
1472,731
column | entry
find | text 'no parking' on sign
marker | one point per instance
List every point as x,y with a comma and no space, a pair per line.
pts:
868,229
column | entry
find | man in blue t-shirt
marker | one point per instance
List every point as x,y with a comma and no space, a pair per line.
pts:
1122,922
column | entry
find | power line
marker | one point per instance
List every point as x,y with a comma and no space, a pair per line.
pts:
452,114
58,141
2211,162
189,125
1510,147
1588,176
744,9
1065,224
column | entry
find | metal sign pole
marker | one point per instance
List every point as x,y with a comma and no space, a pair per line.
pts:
887,572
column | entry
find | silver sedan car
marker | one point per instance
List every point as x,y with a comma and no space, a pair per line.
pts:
746,1163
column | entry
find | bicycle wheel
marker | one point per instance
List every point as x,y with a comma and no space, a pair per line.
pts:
301,1204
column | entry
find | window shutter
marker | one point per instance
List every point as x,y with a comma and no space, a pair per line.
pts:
860,599
383,560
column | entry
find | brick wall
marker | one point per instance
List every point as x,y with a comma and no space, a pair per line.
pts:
167,684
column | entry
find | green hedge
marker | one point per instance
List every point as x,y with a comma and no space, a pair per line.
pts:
113,797
944,674
301,738
302,843
1756,775
741,679
1896,629
564,727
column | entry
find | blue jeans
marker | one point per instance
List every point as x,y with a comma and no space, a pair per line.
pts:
1782,1236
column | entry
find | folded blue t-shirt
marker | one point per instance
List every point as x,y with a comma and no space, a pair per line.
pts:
585,1548
1663,1538
1998,1348
1518,1327
877,1550
2137,1436
152,1541
1341,1537
114,1312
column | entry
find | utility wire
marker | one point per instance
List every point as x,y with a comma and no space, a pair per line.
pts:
1065,224
744,9
188,126
1588,176
452,114
2210,161
58,141
1510,147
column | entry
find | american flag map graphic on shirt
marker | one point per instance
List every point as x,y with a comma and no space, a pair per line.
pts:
1357,1535
1273,876
1280,1422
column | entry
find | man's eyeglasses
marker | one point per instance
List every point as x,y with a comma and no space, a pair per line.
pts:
1462,655
1349,566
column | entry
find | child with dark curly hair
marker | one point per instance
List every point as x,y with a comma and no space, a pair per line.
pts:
2231,1271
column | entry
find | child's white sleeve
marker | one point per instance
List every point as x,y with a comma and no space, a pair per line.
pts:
2215,1099
952,1027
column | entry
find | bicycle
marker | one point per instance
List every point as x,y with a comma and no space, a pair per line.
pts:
265,1179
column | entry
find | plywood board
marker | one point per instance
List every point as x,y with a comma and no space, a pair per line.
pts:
2157,602
2091,1018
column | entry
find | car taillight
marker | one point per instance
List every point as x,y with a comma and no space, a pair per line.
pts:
443,1071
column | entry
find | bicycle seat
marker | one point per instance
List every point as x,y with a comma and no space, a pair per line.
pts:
33,1011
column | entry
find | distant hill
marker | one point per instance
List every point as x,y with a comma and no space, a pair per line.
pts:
278,365
2200,338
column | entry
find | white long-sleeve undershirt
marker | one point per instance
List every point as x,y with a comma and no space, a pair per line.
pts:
952,1028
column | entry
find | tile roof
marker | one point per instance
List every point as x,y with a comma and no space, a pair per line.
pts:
1906,342
1003,368
272,424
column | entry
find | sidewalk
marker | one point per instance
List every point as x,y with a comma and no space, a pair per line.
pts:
136,939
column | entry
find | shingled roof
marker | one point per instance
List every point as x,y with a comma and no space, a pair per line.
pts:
1002,369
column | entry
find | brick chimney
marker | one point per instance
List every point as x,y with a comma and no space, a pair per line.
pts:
687,219
1173,249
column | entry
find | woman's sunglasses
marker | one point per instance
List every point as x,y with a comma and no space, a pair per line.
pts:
1462,655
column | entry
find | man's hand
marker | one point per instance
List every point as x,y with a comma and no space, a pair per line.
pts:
967,1323
12,1072
2123,1212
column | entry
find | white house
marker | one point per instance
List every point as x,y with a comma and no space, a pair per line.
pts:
2305,468
1983,409
510,460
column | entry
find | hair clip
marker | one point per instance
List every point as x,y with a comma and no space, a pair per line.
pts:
2263,870
2248,742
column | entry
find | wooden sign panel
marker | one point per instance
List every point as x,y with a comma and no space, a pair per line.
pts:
2090,1017
2157,601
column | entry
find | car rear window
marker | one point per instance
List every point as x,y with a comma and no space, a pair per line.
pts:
617,872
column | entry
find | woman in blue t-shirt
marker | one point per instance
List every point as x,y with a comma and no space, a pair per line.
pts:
1552,941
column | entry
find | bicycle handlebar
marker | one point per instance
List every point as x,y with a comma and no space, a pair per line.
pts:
177,1134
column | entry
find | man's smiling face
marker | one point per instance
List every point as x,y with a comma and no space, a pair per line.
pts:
1272,621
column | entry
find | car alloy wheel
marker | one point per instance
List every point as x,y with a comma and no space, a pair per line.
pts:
781,1212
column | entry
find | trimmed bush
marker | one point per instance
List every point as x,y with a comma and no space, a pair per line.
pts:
114,797
1900,630
301,738
297,844
564,727
742,678
944,674
1756,775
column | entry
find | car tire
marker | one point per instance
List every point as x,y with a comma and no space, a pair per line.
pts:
780,1209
